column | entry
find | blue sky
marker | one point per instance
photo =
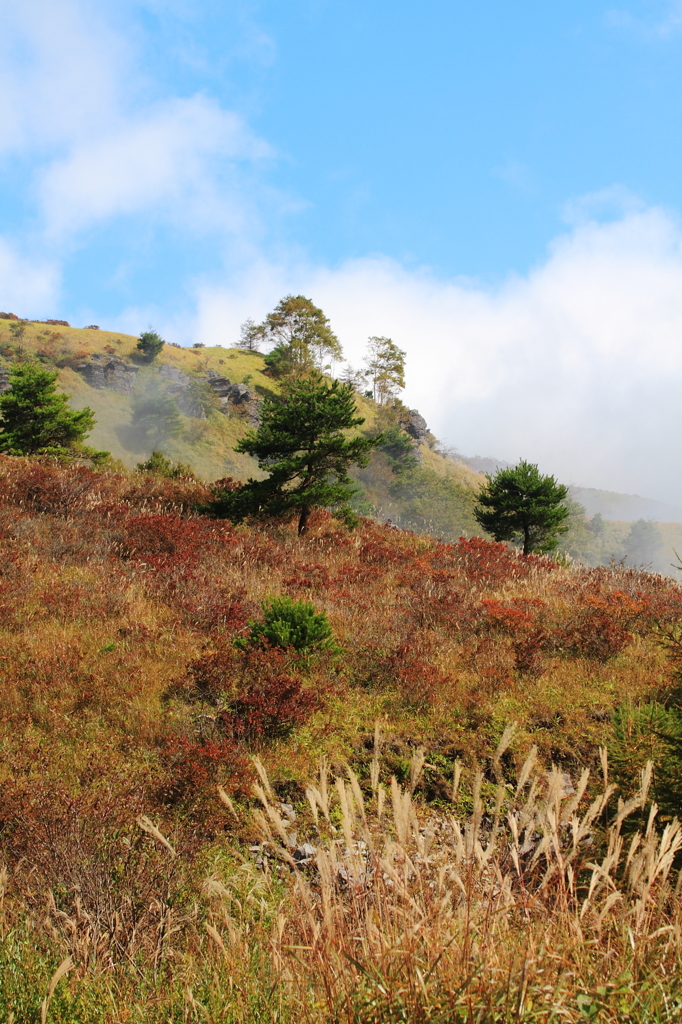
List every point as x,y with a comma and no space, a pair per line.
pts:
496,185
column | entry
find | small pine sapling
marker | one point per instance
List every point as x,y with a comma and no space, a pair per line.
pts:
150,344
288,623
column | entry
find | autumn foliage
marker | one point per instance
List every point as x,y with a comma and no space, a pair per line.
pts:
126,695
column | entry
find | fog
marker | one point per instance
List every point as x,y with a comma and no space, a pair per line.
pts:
577,365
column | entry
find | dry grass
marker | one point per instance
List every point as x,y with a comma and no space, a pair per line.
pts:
532,909
112,591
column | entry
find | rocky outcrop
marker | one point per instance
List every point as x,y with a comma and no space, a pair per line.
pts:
180,387
103,371
4,379
416,426
238,398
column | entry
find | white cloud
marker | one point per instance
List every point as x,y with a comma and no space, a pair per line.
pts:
27,285
62,73
76,102
577,365
177,157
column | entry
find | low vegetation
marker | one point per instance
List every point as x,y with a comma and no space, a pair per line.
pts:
484,840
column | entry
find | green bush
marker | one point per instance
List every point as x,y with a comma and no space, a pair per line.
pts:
150,344
289,623
158,465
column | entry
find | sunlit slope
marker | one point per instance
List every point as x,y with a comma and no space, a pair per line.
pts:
205,442
437,496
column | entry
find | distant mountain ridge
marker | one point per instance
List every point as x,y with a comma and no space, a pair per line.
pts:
625,507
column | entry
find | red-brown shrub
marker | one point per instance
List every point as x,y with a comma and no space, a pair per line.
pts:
307,576
278,704
191,768
256,692
491,564
601,626
41,489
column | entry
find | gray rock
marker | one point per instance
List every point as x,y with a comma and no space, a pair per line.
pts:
417,427
305,853
238,393
289,811
235,397
4,379
108,372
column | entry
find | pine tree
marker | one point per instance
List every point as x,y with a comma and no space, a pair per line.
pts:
302,444
643,543
520,504
250,336
155,415
150,344
36,419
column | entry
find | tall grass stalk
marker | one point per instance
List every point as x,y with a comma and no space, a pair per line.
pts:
530,909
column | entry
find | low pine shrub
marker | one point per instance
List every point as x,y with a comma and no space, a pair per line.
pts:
649,732
159,465
288,623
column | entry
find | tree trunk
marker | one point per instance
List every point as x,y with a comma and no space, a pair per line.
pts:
303,520
526,540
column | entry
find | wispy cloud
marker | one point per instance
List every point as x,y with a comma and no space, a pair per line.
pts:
666,23
177,158
63,73
28,282
98,142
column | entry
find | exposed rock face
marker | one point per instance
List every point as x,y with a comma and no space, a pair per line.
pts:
104,371
179,387
416,427
235,397
4,379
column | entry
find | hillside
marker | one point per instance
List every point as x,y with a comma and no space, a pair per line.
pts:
625,507
203,440
126,702
214,395
193,404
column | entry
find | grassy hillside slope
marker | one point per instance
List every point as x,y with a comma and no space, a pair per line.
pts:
438,499
437,496
126,703
205,444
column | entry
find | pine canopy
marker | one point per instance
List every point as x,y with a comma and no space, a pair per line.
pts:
520,504
36,419
302,443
